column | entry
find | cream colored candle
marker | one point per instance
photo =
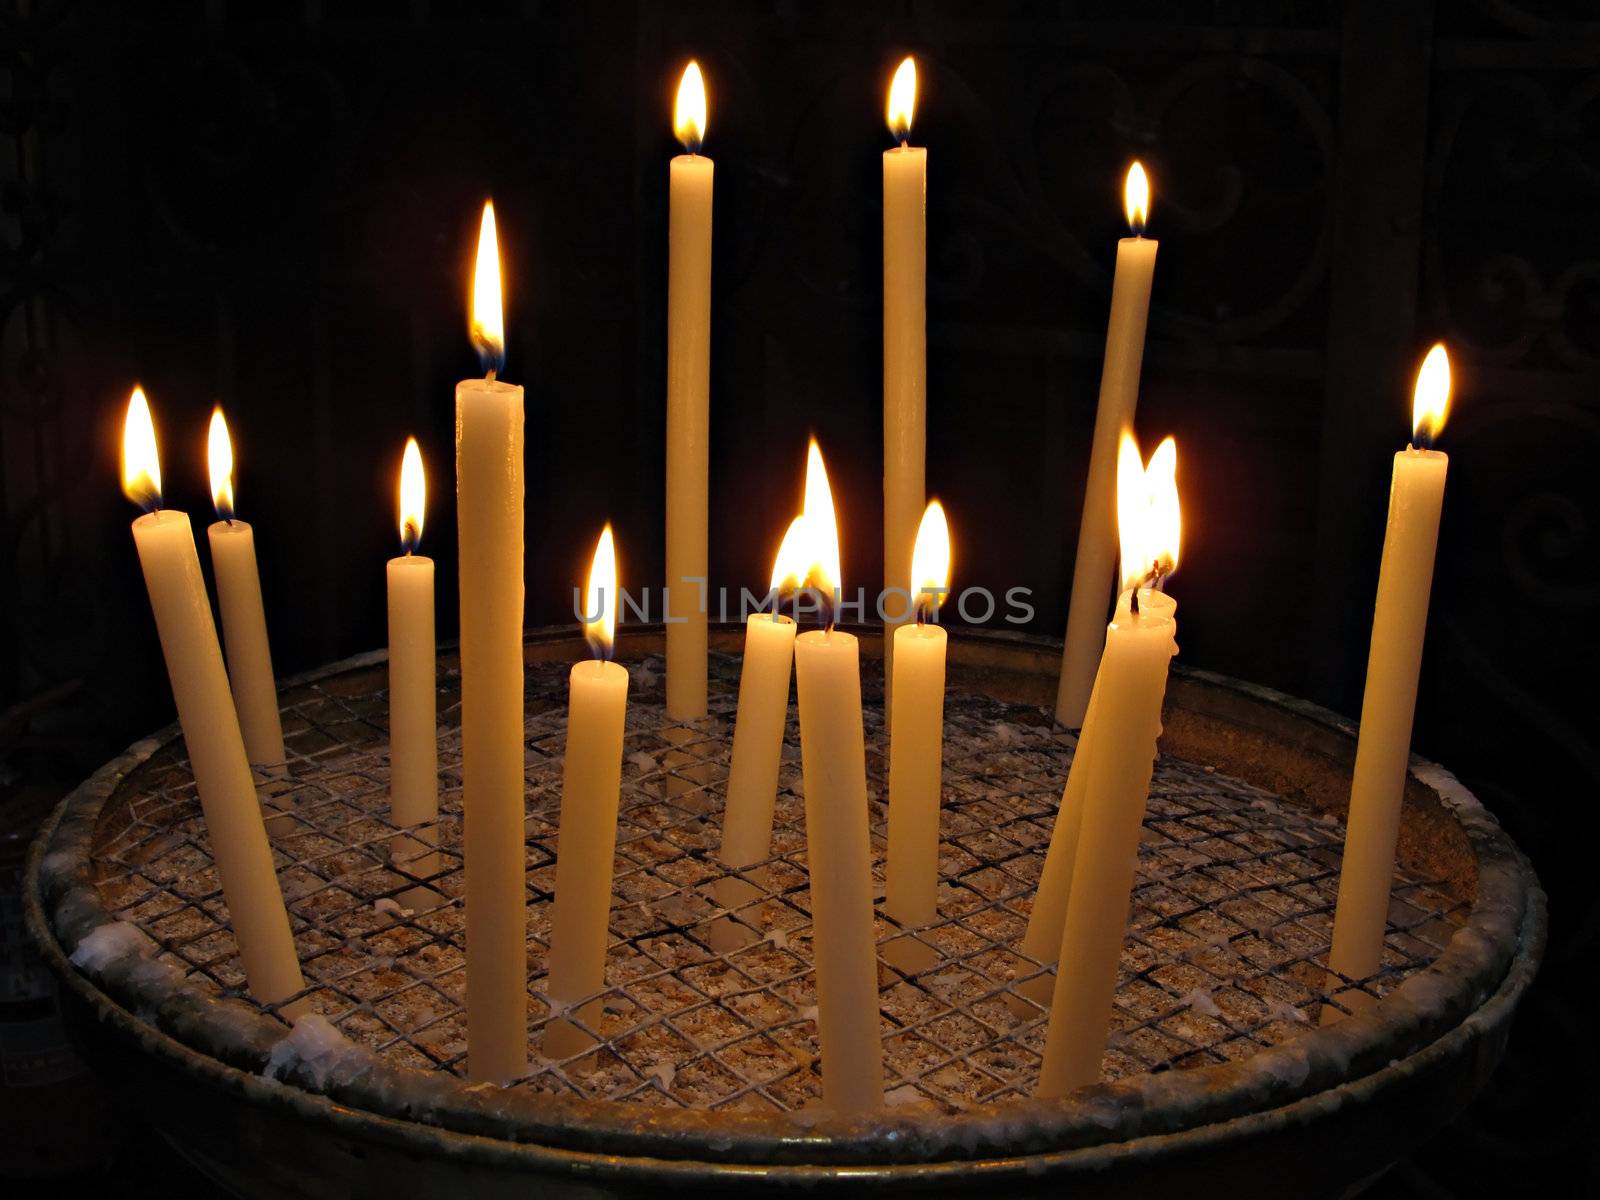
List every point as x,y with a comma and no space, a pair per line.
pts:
489,510
688,404
244,620
905,367
838,849
586,841
1394,661
211,734
1140,643
1042,939
757,751
1094,569
916,746
413,687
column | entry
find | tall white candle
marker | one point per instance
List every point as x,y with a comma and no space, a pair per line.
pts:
688,403
1094,569
244,620
1140,643
1394,661
413,688
838,849
489,510
905,367
211,734
916,745
586,839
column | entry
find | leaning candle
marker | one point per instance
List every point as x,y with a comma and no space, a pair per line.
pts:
413,694
838,855
1093,571
211,734
586,839
916,744
244,621
1132,681
1394,661
688,403
757,745
489,498
905,368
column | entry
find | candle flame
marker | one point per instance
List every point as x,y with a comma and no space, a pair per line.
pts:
141,462
822,526
903,99
600,597
930,561
1149,517
219,457
1136,199
1431,399
792,567
413,495
689,114
488,318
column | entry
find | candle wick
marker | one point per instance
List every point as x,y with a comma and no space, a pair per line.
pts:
489,378
1133,601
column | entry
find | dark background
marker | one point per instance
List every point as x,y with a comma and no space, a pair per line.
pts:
274,206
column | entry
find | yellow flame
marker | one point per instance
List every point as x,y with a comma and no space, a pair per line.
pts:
600,597
822,526
793,564
141,463
1136,199
1149,517
1431,399
413,495
930,560
689,114
488,318
219,458
903,99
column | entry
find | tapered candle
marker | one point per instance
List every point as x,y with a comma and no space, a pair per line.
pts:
688,402
1394,661
489,511
413,692
1139,646
586,840
244,620
905,368
758,728
916,745
210,726
1094,568
838,851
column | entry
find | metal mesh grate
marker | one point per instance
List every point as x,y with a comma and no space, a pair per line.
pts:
1232,906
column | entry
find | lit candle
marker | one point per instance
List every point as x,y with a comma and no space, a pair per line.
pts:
834,766
1399,622
489,510
244,621
688,403
758,742
905,367
206,714
916,744
413,706
586,839
1119,394
1140,643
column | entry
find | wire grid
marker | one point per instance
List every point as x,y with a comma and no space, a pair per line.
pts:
1232,906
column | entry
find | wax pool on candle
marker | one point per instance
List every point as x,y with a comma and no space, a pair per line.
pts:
1394,662
688,404
916,743
244,620
489,510
1094,569
586,841
206,714
905,250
